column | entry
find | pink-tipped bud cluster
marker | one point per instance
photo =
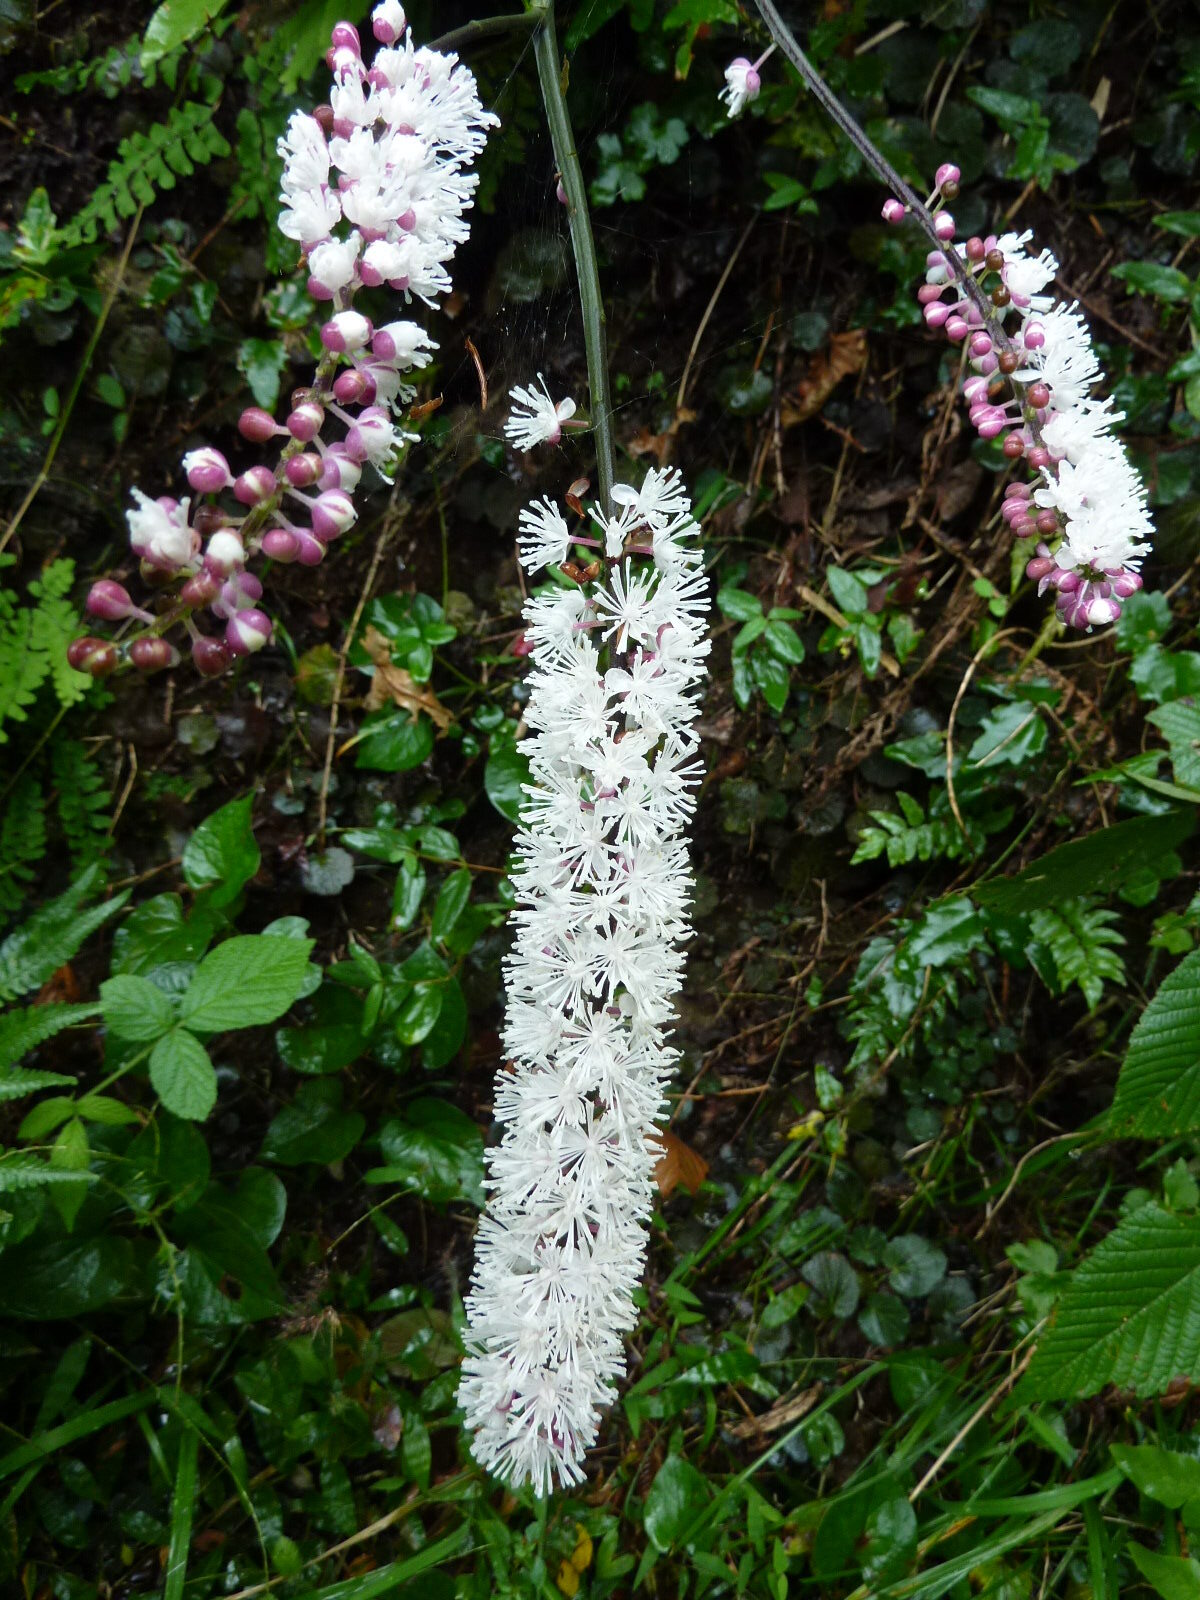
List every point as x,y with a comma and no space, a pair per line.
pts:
1032,372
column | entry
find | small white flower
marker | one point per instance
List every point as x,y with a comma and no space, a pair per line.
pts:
310,215
742,84
305,154
544,537
536,418
334,263
159,531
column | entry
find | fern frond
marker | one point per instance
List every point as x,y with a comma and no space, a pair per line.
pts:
1081,937
35,951
1131,1314
22,840
146,162
27,1172
24,1030
17,1082
82,801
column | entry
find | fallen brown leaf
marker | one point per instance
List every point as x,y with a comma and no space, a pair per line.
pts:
678,1164
846,354
396,686
781,1415
659,445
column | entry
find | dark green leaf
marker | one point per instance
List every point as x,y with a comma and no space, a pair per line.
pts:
673,1502
392,742
1108,857
433,1150
183,1075
222,854
504,776
314,1129
248,980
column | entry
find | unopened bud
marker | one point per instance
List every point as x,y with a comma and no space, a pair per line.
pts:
303,471
348,330
225,552
152,654
109,599
306,421
893,210
257,425
96,657
200,590
332,513
210,657
254,486
207,470
247,631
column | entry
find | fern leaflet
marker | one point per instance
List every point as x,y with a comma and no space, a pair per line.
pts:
1080,937
146,162
27,1172
22,841
23,1030
83,802
36,950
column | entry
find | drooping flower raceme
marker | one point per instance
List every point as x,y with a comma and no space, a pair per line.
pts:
375,189
1034,373
602,895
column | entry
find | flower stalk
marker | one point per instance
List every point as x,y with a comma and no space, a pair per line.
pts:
566,158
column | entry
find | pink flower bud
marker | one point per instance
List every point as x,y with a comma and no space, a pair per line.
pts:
207,470
1014,447
318,290
936,314
1033,336
225,552
893,210
238,592
992,425
980,345
257,425
388,21
354,387
310,551
109,599
1126,583
247,631
153,654
1019,491
522,645
975,390
96,657
957,328
303,471
1103,610
348,330
1047,521
281,544
255,486
345,37
560,193
200,590
975,249
209,656
306,421
985,364
332,513
1039,457
946,173
1038,396
944,226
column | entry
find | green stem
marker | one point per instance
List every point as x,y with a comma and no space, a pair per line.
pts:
485,28
545,49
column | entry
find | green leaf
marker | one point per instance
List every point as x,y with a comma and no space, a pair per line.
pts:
914,1265
1180,724
249,980
331,1041
71,1154
222,855
183,1075
1165,1475
674,1500
435,1151
1147,277
314,1129
772,677
1013,736
1158,1089
883,1320
504,777
408,894
739,604
849,592
136,1009
1172,1577
891,1541
834,1283
34,952
1109,856
451,901
784,642
417,1016
392,742
1080,936
1186,223
174,23
41,1282
262,361
183,1502
1130,1315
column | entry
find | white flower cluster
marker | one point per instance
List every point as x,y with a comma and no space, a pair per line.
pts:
602,895
1090,496
400,137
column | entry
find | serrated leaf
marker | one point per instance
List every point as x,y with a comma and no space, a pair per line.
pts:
1108,856
183,1075
27,1172
1158,1090
135,1009
1130,1315
249,980
222,856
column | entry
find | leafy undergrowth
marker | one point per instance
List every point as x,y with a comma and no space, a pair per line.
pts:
920,1315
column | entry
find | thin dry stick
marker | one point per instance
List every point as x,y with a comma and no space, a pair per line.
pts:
36,487
681,393
979,656
993,1211
981,1411
389,527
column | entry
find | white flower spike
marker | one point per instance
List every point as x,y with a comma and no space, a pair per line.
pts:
536,418
602,895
